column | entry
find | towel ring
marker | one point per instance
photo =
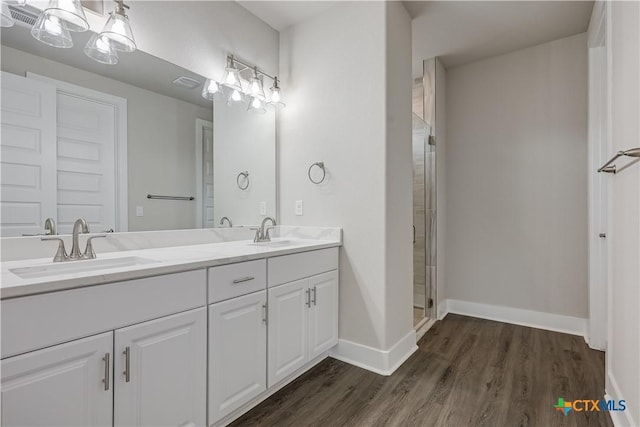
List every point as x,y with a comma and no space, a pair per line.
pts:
324,172
245,174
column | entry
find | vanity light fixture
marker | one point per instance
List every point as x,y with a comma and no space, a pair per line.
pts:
256,105
99,48
50,30
235,97
115,36
118,30
276,99
69,13
253,87
231,77
210,89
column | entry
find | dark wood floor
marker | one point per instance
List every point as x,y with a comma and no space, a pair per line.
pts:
467,372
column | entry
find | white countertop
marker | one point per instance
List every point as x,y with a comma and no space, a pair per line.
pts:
164,261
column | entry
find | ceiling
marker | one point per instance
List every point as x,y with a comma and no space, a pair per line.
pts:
458,31
282,14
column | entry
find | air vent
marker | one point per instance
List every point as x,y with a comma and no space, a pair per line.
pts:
186,82
24,15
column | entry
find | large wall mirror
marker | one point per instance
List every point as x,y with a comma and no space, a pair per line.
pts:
83,139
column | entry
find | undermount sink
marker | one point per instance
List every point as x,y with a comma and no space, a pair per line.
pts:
80,266
273,244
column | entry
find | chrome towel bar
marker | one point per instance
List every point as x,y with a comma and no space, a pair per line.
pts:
155,196
609,168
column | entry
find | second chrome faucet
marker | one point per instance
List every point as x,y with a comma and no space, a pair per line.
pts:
262,232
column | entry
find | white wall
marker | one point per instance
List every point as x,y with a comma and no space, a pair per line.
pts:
623,350
243,142
516,179
399,170
161,141
344,110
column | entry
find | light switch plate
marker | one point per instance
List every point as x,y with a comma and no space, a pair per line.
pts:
139,211
298,207
263,208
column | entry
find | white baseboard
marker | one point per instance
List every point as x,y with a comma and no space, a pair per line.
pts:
517,316
383,362
619,418
442,310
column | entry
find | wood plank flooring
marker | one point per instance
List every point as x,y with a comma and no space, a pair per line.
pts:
467,372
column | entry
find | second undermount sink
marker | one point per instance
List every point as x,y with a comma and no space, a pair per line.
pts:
81,266
272,244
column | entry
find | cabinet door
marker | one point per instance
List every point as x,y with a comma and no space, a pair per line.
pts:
62,385
160,371
323,315
287,325
237,353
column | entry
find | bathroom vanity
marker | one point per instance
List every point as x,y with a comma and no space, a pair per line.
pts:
189,335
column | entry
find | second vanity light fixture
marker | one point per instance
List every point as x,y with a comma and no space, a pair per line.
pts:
61,17
240,90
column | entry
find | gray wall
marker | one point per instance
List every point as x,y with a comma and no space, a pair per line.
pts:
516,179
161,141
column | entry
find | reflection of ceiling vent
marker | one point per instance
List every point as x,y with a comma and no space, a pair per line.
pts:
25,15
186,82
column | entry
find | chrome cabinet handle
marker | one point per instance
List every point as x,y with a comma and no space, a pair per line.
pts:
308,292
127,364
107,368
244,279
314,296
264,313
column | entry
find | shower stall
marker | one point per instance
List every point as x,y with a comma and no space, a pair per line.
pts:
424,196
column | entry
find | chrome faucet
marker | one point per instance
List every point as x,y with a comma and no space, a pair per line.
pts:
80,226
262,233
50,227
223,219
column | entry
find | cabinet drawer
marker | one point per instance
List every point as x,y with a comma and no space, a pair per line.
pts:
234,280
287,268
38,321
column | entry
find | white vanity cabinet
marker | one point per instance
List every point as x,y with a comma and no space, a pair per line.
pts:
65,385
160,371
303,314
151,373
237,336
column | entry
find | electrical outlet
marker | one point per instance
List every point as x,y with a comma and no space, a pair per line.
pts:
263,208
139,211
298,207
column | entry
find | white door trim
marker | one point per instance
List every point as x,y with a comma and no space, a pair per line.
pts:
200,123
120,106
598,191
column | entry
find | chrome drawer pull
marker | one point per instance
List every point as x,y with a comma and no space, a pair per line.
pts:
107,364
244,279
308,292
127,364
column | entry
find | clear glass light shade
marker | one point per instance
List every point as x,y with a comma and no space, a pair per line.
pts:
118,30
70,12
7,20
210,89
256,105
256,88
99,49
49,30
235,97
231,77
276,99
